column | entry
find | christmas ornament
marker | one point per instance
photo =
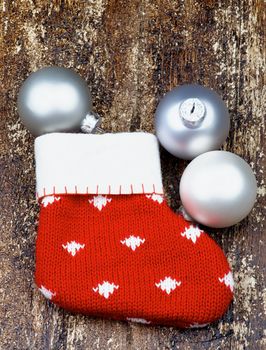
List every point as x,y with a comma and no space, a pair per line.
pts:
107,242
218,189
53,99
191,120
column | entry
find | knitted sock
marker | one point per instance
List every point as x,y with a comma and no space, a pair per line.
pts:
108,245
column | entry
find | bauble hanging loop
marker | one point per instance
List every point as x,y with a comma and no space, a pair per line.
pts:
191,120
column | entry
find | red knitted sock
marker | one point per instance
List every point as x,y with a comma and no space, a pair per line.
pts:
108,244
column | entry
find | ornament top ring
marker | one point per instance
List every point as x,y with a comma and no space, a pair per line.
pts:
191,120
53,99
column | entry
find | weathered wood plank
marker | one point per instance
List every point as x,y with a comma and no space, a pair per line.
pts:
131,53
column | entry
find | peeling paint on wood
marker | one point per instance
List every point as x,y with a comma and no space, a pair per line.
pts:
131,53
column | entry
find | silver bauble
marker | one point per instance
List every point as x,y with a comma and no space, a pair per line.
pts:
53,99
191,120
218,189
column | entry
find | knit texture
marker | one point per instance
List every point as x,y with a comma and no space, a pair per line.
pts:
129,257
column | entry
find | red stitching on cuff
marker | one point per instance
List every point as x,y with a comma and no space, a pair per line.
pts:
132,191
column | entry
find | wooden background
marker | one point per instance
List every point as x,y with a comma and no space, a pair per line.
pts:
131,52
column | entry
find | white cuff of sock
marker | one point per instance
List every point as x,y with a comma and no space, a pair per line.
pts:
124,163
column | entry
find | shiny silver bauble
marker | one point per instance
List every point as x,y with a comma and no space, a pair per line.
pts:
218,189
53,99
191,120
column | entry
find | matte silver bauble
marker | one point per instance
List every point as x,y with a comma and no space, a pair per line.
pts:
53,99
191,120
218,189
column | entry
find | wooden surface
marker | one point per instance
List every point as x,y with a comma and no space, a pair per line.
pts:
131,52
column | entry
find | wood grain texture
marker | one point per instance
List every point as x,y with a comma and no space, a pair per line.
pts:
131,53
